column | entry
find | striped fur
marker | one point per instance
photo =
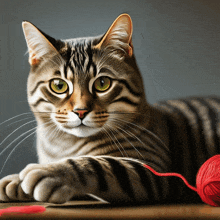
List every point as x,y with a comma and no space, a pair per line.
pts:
120,131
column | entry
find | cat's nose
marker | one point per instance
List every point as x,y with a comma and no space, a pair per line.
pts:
81,112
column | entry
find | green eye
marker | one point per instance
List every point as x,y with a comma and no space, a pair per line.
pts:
102,83
58,86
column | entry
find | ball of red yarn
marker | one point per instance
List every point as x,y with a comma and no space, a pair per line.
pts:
208,181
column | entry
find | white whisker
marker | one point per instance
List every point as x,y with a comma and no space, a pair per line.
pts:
19,143
14,117
116,140
151,134
16,130
14,150
53,134
132,135
18,138
50,127
20,120
113,128
109,136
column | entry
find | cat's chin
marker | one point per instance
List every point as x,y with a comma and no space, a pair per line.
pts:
82,131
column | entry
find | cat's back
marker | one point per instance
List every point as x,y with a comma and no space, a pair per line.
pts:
193,126
193,108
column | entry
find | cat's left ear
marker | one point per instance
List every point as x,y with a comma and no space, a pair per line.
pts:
119,34
39,47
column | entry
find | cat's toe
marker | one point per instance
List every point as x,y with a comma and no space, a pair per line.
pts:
32,179
49,183
61,195
45,188
3,196
52,190
10,189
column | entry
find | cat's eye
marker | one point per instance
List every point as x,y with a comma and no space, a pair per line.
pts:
102,83
58,86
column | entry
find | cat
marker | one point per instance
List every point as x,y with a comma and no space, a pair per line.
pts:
90,93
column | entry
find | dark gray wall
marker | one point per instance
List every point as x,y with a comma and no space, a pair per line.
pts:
176,43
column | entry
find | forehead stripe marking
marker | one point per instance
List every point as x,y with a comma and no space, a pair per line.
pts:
65,70
39,101
129,87
126,100
35,88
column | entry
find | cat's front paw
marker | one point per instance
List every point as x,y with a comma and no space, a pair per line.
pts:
48,183
10,189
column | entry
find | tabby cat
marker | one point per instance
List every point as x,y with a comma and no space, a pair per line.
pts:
89,92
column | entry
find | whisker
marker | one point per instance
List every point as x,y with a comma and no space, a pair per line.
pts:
19,137
58,132
26,113
14,150
53,135
20,120
113,128
151,134
126,113
16,130
113,140
45,112
117,141
20,143
50,127
132,135
109,137
131,115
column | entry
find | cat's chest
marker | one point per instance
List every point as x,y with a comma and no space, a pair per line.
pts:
57,147
51,148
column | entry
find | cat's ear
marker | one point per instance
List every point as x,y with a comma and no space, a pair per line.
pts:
38,45
119,34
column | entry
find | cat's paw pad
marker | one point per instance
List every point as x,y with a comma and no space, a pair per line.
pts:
47,183
10,189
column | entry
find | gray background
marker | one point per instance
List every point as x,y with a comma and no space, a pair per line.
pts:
176,43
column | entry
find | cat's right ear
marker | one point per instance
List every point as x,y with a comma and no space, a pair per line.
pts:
39,46
119,35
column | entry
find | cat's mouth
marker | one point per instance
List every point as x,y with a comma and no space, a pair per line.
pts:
77,127
81,130
69,126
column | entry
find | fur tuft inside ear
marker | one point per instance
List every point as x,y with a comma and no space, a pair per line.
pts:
119,35
38,45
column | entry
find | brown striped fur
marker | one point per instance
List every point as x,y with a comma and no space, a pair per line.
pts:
95,142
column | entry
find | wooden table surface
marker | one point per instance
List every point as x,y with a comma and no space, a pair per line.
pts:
96,210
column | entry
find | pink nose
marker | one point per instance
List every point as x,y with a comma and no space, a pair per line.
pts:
81,112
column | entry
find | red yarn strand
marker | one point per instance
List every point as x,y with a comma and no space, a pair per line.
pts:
23,209
171,174
207,180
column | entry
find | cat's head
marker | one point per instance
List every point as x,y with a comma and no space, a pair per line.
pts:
84,85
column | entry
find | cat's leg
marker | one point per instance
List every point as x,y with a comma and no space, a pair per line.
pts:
10,189
111,178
